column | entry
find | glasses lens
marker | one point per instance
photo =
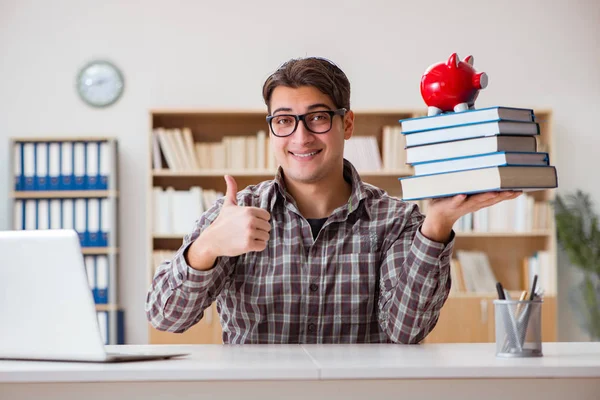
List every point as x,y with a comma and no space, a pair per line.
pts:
283,125
318,122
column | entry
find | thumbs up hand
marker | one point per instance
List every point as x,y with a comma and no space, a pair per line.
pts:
238,230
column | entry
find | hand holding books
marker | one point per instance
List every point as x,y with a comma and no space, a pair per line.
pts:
442,213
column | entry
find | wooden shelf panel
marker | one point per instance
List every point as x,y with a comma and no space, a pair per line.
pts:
107,307
63,194
261,173
99,250
63,139
507,234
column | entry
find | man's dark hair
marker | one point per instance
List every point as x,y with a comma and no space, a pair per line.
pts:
312,71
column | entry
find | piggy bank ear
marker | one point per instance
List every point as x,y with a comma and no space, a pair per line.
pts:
452,61
469,60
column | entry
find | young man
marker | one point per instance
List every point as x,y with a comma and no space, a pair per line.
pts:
315,255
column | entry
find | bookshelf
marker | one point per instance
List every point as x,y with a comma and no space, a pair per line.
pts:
71,183
466,317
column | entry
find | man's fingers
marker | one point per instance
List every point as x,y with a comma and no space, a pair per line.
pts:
231,193
259,213
260,235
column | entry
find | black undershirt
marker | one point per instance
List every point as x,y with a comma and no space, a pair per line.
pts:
315,225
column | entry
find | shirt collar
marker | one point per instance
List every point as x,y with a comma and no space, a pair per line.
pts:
358,193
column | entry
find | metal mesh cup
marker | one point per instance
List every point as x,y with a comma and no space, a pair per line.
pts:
518,328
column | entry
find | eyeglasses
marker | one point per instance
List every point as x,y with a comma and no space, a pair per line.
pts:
283,125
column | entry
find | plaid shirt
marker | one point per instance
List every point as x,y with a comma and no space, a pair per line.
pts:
369,276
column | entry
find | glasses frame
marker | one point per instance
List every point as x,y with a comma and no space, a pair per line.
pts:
302,117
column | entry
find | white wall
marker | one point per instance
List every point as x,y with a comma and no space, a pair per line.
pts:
217,54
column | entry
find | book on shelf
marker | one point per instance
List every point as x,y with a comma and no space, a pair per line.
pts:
234,152
523,214
467,117
478,180
468,131
56,165
91,218
473,151
541,264
471,272
175,211
470,147
497,159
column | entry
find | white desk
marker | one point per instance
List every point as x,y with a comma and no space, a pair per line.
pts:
445,371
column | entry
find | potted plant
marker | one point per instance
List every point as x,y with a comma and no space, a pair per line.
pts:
578,234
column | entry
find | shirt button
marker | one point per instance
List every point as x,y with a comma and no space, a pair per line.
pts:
180,276
311,327
314,287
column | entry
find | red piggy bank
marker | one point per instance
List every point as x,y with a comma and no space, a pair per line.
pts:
451,86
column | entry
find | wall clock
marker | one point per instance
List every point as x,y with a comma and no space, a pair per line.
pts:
100,83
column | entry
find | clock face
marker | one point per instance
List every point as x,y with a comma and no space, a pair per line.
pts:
100,83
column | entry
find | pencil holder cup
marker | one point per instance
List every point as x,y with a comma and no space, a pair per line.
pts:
518,328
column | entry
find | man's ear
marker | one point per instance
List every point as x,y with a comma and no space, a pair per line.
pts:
348,124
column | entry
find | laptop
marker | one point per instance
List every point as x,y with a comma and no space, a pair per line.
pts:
47,310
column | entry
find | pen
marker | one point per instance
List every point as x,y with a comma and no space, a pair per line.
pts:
532,293
500,291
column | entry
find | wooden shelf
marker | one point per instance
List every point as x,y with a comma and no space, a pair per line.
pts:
107,307
99,250
514,294
462,315
63,194
506,234
261,173
64,139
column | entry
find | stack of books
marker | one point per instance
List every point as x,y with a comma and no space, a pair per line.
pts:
473,151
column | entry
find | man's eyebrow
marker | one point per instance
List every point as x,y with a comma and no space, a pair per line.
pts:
281,109
311,107
318,105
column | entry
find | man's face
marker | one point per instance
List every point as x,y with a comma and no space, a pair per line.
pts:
307,157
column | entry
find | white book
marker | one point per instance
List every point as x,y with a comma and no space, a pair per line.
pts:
43,214
102,273
29,165
79,161
106,161
470,147
92,160
18,215
66,166
67,214
41,166
103,324
106,219
17,164
80,222
466,117
478,180
30,214
90,269
161,220
93,213
54,163
55,211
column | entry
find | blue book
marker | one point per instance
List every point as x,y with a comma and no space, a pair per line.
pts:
66,166
467,117
54,166
18,157
469,131
41,166
499,158
489,179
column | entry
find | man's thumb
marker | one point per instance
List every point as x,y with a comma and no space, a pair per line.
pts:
231,193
